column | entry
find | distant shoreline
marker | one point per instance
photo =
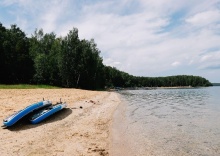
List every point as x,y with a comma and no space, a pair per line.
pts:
152,88
216,84
176,87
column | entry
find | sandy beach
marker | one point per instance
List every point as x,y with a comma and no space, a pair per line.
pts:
83,128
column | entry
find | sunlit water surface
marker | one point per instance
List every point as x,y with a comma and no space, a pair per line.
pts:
172,121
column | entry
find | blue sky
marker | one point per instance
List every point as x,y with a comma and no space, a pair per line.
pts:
140,37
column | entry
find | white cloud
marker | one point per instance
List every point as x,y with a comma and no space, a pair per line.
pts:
175,64
50,17
204,18
210,60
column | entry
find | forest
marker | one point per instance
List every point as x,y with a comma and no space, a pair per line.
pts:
69,62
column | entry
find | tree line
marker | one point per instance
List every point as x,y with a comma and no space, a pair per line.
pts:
68,62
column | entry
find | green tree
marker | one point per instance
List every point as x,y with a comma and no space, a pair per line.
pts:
15,58
45,50
69,48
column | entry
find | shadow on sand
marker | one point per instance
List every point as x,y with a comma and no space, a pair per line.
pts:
24,123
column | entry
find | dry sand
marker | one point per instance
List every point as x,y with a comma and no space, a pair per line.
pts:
72,131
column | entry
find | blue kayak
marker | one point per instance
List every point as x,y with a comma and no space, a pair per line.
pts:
12,119
42,114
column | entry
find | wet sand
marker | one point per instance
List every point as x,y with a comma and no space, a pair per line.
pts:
72,131
120,145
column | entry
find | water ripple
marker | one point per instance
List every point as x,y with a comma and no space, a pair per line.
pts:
174,121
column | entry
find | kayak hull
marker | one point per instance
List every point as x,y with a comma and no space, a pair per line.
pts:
46,112
12,119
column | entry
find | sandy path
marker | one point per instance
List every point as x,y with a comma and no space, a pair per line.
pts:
72,131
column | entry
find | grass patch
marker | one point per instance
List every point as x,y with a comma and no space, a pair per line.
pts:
26,86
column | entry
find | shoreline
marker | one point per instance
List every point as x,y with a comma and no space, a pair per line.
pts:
152,88
119,144
72,131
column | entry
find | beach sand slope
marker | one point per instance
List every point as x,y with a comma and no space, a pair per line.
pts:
83,128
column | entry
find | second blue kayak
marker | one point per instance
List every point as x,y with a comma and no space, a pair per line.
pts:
42,114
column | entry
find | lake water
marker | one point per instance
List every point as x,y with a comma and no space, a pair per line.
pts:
165,122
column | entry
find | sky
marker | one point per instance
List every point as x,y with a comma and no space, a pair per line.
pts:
141,37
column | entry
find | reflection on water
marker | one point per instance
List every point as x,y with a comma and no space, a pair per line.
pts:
173,121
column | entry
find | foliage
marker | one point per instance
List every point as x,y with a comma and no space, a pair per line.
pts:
68,62
16,65
26,86
118,78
